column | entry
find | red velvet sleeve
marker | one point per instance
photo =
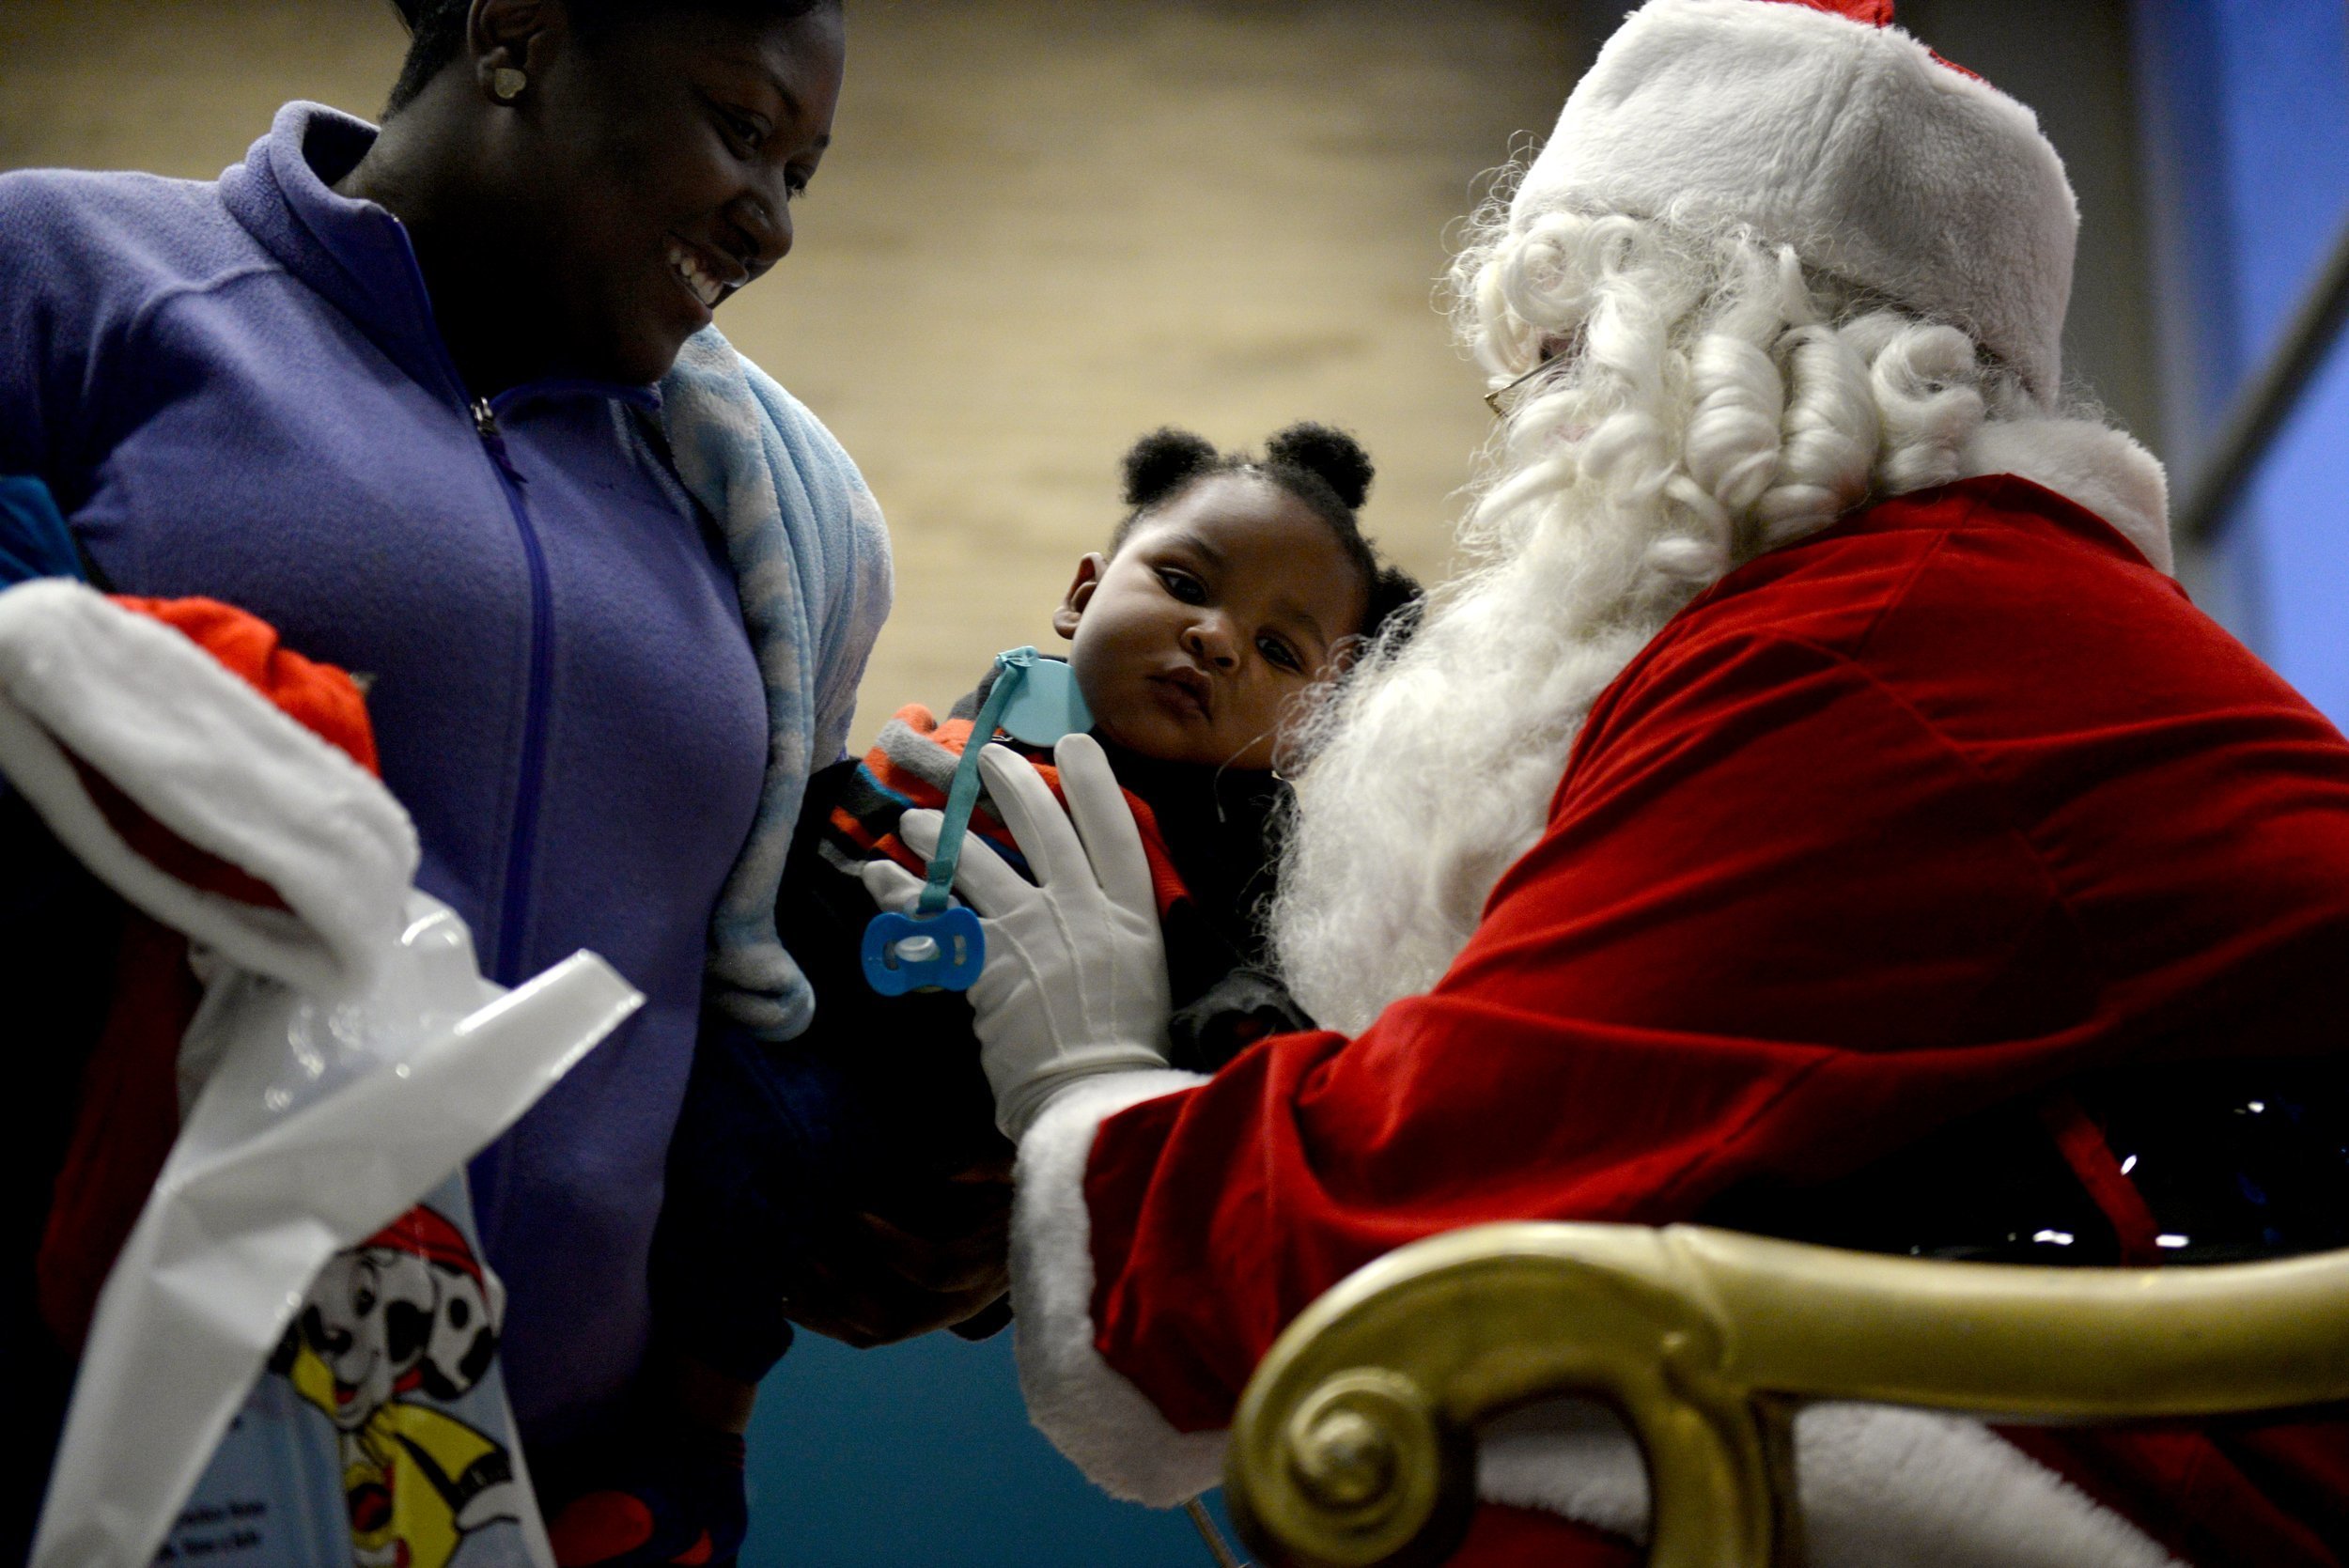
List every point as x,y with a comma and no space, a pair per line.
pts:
1771,904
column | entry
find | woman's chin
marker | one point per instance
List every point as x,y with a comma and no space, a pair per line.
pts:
651,355
640,348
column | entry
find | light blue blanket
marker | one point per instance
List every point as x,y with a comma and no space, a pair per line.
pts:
811,562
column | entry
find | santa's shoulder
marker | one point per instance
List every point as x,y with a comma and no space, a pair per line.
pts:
1983,561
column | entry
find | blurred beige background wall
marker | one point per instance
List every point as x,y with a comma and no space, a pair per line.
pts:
1046,226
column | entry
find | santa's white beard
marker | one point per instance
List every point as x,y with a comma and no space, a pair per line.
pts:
1435,768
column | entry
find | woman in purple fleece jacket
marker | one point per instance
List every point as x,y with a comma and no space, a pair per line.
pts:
394,392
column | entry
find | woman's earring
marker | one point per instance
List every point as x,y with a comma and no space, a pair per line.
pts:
507,84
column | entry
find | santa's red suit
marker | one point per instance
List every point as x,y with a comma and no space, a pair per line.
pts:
1940,808
1941,813
1939,843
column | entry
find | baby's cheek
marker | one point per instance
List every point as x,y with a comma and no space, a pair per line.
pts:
1124,711
1086,663
1258,722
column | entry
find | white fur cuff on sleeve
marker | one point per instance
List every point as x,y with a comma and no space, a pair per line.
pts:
1104,1424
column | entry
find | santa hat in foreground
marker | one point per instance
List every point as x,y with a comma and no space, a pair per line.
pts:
1820,125
221,784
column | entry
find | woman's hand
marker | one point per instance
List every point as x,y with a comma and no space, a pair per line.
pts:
1075,978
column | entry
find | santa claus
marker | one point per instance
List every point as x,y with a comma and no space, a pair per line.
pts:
1816,811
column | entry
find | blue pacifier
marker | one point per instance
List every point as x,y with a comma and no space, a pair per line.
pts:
924,953
940,945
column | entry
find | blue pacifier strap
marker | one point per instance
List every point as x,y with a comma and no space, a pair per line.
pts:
962,793
939,945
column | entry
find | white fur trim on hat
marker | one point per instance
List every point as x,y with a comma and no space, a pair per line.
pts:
82,680
1875,160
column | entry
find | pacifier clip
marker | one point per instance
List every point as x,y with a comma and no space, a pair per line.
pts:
940,946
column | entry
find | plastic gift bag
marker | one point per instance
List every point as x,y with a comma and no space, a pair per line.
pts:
293,1359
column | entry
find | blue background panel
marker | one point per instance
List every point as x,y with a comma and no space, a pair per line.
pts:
921,1454
2245,106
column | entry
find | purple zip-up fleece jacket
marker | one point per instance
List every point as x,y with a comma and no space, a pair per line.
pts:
237,390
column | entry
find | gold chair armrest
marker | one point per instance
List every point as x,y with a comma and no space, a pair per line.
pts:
1353,1444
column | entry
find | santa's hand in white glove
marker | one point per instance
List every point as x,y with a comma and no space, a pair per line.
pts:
1075,978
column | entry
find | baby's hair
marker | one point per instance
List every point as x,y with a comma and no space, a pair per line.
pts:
1323,467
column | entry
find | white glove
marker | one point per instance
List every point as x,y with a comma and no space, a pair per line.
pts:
1075,978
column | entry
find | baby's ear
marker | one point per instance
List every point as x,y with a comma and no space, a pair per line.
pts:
1072,609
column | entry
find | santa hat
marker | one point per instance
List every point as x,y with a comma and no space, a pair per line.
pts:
158,742
1820,125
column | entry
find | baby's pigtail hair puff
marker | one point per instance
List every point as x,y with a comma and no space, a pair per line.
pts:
1337,458
1162,462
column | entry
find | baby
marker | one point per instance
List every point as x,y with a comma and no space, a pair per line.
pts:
1233,588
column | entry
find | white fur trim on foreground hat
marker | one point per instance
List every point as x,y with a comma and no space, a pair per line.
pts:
1881,1486
213,761
1850,142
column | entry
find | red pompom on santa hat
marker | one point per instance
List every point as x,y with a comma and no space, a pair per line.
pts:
1820,125
1876,13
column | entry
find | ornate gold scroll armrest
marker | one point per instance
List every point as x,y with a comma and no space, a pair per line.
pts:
1353,1444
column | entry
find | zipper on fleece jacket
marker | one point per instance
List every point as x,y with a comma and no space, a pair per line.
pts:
521,843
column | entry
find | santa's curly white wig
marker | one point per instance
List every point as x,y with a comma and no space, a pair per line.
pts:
1710,399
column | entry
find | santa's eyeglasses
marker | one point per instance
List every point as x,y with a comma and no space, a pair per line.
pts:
1503,400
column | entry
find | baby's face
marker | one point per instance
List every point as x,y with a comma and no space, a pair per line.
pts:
1223,606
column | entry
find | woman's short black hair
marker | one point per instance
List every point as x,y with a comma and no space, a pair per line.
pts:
437,28
1322,466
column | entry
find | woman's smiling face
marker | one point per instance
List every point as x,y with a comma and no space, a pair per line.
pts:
654,165
1219,612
